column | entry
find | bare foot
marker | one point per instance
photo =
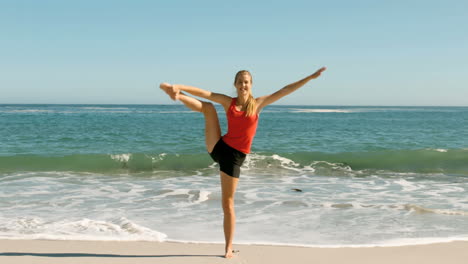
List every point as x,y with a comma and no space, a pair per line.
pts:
230,253
170,90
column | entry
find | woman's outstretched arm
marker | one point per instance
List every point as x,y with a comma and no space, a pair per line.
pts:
175,89
269,99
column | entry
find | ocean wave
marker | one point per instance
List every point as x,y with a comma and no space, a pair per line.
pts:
83,229
104,108
100,110
27,111
308,110
369,109
123,229
423,210
425,161
412,208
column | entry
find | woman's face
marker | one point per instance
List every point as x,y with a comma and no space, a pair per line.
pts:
243,85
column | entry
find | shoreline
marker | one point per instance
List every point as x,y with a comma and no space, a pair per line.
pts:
404,242
15,251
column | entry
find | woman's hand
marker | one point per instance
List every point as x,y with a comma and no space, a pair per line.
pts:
171,90
317,73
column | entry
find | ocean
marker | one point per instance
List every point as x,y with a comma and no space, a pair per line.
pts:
326,176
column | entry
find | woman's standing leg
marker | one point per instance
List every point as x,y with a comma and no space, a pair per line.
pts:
228,187
228,183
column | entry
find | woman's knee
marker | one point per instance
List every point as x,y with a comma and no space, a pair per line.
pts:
228,205
208,107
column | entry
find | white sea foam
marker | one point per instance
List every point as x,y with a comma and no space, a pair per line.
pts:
335,166
126,230
303,110
423,210
287,163
177,192
186,197
121,157
407,186
329,211
176,112
255,161
203,196
29,111
160,157
84,229
362,110
441,150
105,108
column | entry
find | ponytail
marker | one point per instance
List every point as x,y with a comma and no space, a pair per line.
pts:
251,106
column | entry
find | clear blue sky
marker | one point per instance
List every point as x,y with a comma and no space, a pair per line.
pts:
117,52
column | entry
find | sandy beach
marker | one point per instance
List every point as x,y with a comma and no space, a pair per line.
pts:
51,251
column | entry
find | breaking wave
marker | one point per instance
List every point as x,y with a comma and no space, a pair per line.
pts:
405,161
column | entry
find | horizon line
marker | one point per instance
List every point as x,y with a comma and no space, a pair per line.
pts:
347,105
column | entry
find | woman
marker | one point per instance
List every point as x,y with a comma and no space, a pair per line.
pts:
230,150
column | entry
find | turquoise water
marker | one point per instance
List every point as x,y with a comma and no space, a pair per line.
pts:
368,175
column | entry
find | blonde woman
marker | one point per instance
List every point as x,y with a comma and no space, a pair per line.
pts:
230,150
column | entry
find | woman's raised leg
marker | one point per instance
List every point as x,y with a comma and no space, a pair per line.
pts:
212,128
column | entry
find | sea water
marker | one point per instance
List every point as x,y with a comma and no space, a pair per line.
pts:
317,175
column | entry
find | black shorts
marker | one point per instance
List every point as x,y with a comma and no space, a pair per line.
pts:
229,159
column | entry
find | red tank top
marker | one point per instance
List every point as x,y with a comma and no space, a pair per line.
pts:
241,128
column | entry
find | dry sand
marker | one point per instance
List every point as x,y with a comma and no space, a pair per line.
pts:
83,252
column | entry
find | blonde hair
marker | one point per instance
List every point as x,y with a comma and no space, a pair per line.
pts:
251,104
